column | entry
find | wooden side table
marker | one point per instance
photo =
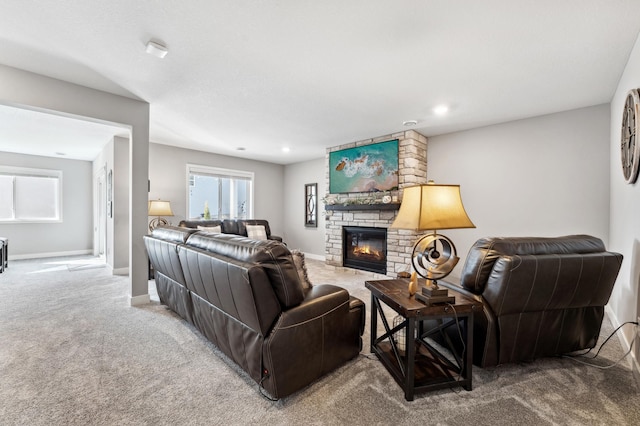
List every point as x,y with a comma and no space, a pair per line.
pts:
421,366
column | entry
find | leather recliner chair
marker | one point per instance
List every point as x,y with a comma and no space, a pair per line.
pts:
540,296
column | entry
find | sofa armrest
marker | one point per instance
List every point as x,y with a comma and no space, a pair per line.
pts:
320,300
311,339
275,238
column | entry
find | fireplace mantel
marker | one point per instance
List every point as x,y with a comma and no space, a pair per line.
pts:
362,207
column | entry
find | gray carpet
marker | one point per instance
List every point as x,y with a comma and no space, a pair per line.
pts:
72,352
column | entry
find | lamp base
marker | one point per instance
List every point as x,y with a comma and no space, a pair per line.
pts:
435,300
432,290
433,295
154,223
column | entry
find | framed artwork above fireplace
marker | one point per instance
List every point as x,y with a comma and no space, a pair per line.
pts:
367,168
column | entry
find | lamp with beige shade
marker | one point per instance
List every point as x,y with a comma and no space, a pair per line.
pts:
432,207
159,208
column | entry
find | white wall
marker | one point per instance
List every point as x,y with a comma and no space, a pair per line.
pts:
625,209
543,176
309,240
102,164
168,176
74,235
115,158
121,205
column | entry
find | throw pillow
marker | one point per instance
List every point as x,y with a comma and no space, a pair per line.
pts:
256,232
214,229
301,267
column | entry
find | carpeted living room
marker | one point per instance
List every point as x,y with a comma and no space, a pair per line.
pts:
362,212
82,356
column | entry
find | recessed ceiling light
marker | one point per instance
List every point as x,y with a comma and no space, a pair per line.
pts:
241,148
157,49
410,123
61,153
441,110
286,149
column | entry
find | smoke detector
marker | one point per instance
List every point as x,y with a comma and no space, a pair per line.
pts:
157,49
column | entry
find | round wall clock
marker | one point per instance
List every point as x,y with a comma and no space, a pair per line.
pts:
629,144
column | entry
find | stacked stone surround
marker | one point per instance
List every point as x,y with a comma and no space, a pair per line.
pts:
412,150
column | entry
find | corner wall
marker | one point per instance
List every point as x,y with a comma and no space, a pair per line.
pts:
308,240
115,158
625,206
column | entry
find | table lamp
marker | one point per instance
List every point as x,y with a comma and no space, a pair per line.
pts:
432,207
159,208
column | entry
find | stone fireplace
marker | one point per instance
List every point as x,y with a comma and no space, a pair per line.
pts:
346,211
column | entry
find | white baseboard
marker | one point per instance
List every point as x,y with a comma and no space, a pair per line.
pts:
51,254
120,271
314,256
142,299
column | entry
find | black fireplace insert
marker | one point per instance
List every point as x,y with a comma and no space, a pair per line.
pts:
365,248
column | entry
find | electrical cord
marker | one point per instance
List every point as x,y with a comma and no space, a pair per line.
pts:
604,367
464,346
260,389
455,314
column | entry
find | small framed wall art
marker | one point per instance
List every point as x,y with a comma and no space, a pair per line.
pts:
311,205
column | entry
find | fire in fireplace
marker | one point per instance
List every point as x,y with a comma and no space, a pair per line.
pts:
365,248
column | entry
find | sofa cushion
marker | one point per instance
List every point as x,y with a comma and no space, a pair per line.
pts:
256,232
230,226
243,223
301,267
273,256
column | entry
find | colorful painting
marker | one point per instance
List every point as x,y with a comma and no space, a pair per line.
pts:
368,168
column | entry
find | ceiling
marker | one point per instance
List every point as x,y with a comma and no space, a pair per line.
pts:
264,75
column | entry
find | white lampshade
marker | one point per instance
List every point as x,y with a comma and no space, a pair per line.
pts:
432,207
160,208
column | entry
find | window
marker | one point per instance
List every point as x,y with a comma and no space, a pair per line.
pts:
30,195
219,193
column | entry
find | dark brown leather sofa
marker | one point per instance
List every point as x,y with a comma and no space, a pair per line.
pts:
540,296
246,297
231,226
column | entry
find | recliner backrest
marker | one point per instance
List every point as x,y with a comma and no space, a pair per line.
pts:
484,253
164,256
273,256
204,222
